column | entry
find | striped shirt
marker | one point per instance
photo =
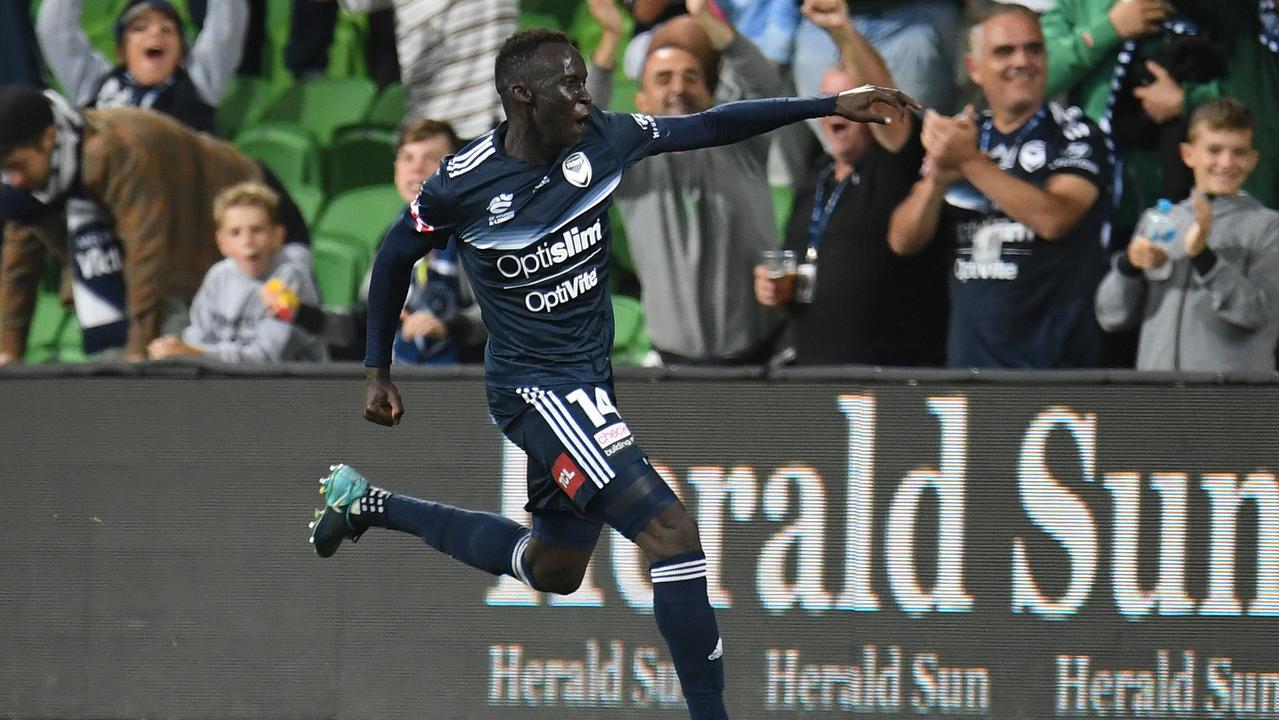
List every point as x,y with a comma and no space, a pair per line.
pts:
447,50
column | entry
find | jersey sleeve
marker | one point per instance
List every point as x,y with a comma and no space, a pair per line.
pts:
637,136
426,223
1082,149
434,212
634,136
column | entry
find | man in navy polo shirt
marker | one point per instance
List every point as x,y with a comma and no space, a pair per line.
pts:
1021,196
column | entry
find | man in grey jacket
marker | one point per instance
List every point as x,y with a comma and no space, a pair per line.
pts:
697,221
1218,310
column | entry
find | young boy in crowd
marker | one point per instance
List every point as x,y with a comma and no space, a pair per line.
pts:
229,322
1218,309
441,323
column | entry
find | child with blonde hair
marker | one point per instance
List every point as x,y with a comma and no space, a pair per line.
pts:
229,322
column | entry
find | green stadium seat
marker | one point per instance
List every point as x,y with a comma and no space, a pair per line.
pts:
783,201
630,337
621,243
48,323
310,200
359,156
340,264
389,107
242,106
288,150
324,104
71,343
363,214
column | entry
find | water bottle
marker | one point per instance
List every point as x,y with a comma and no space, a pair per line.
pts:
1158,227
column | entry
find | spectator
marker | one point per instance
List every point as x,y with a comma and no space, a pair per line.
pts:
447,51
918,40
1019,196
440,323
136,223
869,306
700,218
1219,309
229,322
154,67
1100,52
769,24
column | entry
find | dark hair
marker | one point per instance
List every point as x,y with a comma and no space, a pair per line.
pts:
1225,113
137,7
425,129
25,113
516,55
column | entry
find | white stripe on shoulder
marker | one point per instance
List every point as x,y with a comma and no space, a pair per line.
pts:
482,142
469,165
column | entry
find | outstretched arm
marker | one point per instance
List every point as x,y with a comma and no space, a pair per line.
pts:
737,121
66,48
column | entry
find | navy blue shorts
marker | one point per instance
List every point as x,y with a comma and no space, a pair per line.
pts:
585,469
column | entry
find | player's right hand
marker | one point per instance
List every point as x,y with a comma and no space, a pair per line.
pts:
382,403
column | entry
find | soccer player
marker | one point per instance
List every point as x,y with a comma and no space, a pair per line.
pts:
528,204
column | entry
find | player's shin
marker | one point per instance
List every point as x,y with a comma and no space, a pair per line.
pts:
488,541
687,622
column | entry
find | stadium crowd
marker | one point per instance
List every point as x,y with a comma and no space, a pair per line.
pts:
1091,184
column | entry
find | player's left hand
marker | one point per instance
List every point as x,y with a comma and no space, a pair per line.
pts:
868,103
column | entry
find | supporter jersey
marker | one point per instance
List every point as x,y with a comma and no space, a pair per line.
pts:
535,243
1018,300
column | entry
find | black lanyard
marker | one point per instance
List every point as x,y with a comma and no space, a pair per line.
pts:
823,207
1017,140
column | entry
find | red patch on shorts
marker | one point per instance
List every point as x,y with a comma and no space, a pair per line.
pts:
567,475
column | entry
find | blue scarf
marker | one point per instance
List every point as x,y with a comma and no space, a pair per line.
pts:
97,258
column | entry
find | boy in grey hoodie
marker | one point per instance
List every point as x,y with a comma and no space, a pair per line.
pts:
229,321
1218,311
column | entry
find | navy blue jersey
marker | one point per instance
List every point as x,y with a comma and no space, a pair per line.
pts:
1018,300
535,240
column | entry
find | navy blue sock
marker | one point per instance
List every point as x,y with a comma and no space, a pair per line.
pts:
686,620
488,541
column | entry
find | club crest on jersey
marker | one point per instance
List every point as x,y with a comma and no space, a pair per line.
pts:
1033,155
499,208
501,203
577,169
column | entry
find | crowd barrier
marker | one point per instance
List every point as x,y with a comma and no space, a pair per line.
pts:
882,544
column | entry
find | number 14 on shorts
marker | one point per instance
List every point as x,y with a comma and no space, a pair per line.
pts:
595,409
